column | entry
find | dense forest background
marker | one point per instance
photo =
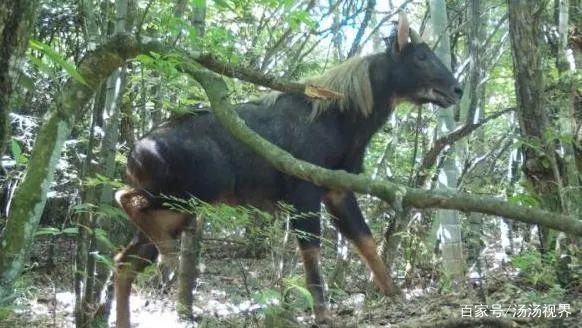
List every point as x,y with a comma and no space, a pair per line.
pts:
82,80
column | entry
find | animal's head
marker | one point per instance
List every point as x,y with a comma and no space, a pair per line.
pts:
420,75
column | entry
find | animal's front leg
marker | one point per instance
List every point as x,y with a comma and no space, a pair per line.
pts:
350,222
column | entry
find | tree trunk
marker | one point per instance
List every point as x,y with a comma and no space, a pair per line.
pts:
472,112
84,219
29,201
83,261
98,273
540,164
446,223
16,18
188,271
568,120
192,236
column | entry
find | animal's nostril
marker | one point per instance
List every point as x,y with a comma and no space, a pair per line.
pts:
458,91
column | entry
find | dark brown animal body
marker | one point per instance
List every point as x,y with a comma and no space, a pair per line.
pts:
196,157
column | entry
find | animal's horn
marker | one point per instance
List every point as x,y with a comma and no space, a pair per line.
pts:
403,30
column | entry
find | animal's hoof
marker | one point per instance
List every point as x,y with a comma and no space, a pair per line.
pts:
391,291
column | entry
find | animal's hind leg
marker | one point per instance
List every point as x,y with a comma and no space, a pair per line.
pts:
157,227
162,226
306,201
350,222
140,253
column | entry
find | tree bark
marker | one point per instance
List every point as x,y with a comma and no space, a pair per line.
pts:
540,161
446,226
190,250
470,115
83,219
99,272
568,120
84,263
192,236
16,18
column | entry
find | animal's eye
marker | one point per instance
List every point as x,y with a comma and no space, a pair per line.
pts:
421,55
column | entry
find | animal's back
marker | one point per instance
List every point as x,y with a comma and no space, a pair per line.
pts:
195,156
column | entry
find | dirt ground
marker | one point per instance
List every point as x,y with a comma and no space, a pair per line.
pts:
231,292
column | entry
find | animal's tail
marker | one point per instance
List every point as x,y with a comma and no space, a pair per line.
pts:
133,200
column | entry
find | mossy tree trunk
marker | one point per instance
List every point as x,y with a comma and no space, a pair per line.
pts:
16,18
569,122
540,160
30,198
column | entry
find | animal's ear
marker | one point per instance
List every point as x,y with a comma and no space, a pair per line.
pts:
403,31
388,43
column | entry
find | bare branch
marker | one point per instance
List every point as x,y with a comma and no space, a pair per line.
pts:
358,38
431,156
269,81
384,20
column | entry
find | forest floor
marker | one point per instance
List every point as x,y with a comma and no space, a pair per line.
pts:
233,291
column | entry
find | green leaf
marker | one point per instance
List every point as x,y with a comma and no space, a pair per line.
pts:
47,231
58,59
145,59
198,3
84,207
15,150
305,294
105,260
221,4
108,211
26,81
55,232
267,297
101,236
524,199
71,231
99,179
296,283
40,65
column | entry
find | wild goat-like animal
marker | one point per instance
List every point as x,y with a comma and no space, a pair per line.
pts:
196,157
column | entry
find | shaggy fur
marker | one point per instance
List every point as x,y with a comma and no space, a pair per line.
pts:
351,79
